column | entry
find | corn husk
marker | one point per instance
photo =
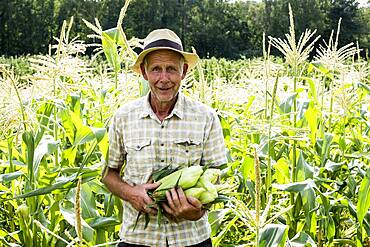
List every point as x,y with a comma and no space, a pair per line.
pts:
208,186
207,197
211,175
184,178
194,192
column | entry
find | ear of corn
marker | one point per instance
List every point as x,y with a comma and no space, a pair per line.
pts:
211,175
169,181
184,178
208,186
207,197
193,180
190,176
194,192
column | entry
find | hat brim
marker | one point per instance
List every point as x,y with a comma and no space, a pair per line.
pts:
190,58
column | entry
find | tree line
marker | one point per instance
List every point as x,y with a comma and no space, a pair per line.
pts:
220,28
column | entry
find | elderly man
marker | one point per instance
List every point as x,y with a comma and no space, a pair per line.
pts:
163,128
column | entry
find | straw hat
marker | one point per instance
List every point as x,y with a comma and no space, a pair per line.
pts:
164,39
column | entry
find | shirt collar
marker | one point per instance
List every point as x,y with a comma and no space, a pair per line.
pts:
178,110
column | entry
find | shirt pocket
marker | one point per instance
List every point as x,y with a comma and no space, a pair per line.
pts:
187,151
140,160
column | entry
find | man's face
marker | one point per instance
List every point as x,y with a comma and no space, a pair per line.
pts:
164,72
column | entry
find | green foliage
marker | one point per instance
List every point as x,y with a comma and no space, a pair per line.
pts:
228,29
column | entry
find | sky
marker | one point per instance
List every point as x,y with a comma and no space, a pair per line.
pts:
363,2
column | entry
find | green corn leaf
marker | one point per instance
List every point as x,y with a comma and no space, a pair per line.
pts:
56,187
296,187
62,184
143,87
321,68
226,129
231,223
69,155
302,107
302,239
88,204
363,203
103,222
333,166
311,116
273,235
247,168
4,178
330,229
216,217
137,220
304,170
147,220
159,215
68,125
84,134
249,103
104,146
111,51
281,174
99,133
43,118
165,171
365,87
286,105
68,212
115,35
30,152
308,201
76,104
46,146
311,83
328,138
88,169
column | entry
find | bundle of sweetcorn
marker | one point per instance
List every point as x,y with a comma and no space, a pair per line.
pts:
196,181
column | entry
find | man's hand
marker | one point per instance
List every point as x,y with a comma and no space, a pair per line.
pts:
136,195
182,207
139,199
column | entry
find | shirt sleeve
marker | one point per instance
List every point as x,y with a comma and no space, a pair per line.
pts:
214,151
117,154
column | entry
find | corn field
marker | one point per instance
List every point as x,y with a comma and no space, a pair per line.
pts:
297,130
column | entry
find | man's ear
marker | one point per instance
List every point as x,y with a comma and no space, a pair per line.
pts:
184,70
143,72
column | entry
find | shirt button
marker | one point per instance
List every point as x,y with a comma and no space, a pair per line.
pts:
187,151
162,144
162,161
162,126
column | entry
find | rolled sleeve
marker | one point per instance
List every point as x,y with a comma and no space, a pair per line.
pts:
117,152
214,151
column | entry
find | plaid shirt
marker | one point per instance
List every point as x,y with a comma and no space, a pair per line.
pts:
190,134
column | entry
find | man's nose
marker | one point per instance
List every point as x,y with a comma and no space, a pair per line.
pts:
163,75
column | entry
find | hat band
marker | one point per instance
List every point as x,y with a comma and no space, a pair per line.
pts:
164,43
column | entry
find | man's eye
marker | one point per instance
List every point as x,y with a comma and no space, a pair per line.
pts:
171,69
156,69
